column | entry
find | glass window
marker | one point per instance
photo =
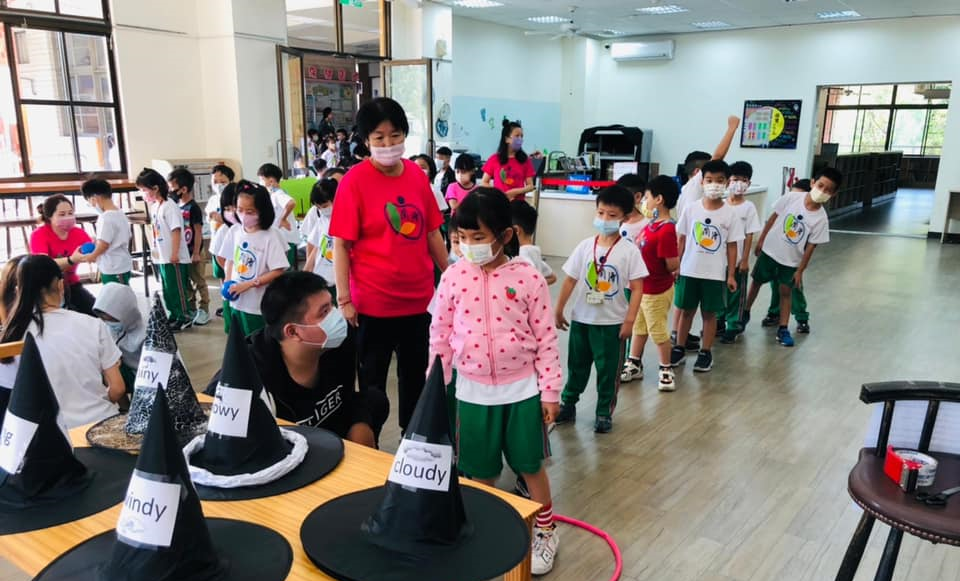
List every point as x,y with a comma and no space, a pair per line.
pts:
908,129
40,67
10,163
844,95
923,94
876,95
49,138
97,139
38,5
87,8
361,27
89,68
841,129
873,130
936,126
312,24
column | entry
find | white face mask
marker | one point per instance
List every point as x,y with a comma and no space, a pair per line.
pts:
217,188
478,254
737,188
326,212
819,196
713,191
388,156
335,328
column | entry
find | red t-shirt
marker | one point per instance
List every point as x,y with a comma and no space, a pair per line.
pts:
387,219
658,244
511,175
45,241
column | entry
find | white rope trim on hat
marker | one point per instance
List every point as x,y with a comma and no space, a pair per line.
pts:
269,474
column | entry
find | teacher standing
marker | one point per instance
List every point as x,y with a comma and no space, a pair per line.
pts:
510,169
60,238
386,230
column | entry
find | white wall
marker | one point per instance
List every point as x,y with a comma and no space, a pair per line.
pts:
686,101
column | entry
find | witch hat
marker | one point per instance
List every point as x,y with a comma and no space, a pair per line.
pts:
160,366
161,533
42,481
420,524
244,454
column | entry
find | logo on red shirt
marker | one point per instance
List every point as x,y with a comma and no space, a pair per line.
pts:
405,219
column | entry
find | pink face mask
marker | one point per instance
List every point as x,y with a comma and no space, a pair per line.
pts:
249,221
65,222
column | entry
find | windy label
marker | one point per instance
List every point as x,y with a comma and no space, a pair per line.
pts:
422,465
230,412
15,438
154,369
149,512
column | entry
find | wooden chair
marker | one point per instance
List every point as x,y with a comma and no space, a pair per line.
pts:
882,499
11,349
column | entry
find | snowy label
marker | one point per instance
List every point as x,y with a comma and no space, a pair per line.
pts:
154,369
422,465
230,412
17,433
149,512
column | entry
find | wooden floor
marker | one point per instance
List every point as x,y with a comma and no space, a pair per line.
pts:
741,474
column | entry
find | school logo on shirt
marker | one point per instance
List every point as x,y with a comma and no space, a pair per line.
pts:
245,261
794,228
326,248
707,236
605,280
505,176
405,219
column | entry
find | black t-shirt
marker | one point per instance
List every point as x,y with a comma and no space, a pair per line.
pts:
192,215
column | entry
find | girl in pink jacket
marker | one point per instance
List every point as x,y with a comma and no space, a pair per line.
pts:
492,323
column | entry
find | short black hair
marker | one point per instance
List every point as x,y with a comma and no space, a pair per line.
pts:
323,191
741,169
695,160
342,130
361,151
617,196
716,166
151,178
228,197
431,165
96,187
183,177
225,170
311,132
465,162
832,174
803,185
488,206
330,171
285,299
666,187
327,111
261,201
633,182
270,170
444,151
375,112
524,216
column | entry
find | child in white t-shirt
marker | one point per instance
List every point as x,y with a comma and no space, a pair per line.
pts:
525,223
283,207
599,271
222,238
319,241
112,251
637,220
798,224
731,323
707,233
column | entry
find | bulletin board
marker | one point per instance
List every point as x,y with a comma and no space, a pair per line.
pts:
770,124
331,87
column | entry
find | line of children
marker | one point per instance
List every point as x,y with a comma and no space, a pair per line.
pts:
798,301
112,251
283,207
730,323
181,182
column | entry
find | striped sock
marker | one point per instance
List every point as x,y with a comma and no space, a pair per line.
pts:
545,516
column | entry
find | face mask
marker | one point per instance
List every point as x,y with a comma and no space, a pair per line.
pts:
335,328
326,212
217,188
388,156
66,222
737,188
645,210
713,191
606,227
819,196
440,163
516,144
478,254
250,221
453,258
230,216
116,330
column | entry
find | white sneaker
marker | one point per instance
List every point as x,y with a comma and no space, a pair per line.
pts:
631,371
667,382
201,318
544,551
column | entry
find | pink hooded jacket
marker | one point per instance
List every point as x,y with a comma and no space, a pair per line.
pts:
496,328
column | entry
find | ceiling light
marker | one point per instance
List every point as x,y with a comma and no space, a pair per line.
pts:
838,14
548,19
612,33
477,3
663,9
711,24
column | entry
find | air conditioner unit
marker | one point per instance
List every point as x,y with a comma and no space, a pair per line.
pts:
642,51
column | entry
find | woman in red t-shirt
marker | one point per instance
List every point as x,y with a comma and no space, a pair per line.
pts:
60,238
510,169
386,231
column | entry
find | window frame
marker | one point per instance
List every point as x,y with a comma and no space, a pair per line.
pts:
11,18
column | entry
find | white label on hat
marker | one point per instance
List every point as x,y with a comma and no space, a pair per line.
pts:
149,512
154,369
230,413
422,465
15,438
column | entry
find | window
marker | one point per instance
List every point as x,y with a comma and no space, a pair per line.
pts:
350,27
869,118
59,111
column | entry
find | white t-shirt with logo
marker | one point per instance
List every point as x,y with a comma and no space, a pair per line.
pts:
623,264
532,254
631,230
113,227
796,226
707,234
691,192
166,218
749,219
320,237
280,199
253,254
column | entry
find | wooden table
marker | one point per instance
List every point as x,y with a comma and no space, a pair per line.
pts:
361,468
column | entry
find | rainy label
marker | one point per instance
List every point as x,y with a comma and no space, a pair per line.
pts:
154,369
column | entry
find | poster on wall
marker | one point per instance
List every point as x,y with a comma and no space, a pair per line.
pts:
770,124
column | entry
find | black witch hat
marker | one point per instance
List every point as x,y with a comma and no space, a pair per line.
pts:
43,482
420,524
244,454
162,534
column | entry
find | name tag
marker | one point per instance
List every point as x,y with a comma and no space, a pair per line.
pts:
230,412
149,512
154,369
15,438
422,465
595,297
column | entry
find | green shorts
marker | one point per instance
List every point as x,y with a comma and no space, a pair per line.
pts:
485,433
218,272
122,278
767,269
708,295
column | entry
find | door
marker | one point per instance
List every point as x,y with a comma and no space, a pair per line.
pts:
410,83
292,148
